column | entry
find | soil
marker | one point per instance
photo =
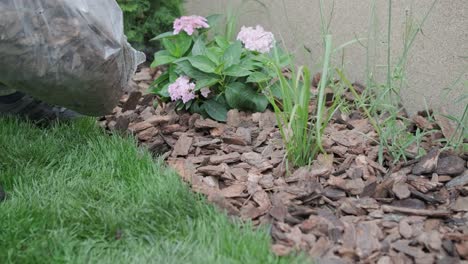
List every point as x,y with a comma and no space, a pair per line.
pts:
344,208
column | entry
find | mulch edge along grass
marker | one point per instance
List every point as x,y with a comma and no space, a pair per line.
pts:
348,205
76,195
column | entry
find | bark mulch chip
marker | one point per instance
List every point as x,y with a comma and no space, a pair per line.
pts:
345,208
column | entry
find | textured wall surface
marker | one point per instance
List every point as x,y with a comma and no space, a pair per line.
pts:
438,58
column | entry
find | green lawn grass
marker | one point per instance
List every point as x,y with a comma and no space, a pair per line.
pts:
76,195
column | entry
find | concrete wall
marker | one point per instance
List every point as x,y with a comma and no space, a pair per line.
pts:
438,58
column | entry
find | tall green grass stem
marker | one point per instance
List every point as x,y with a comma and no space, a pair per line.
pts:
323,85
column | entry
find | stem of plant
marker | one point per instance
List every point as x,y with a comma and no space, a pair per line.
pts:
323,85
389,39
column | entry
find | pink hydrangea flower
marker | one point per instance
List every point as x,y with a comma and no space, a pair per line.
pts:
182,89
189,24
205,92
256,39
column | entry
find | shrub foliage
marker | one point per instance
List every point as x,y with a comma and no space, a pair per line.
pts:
145,19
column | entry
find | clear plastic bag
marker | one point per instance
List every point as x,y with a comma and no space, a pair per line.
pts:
71,53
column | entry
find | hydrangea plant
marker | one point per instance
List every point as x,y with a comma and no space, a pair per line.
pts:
210,74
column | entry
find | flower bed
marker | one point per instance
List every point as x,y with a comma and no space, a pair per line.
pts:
209,74
335,168
346,207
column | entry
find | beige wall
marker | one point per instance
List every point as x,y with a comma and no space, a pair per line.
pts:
438,58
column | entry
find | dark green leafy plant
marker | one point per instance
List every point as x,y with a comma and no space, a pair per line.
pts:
233,76
144,19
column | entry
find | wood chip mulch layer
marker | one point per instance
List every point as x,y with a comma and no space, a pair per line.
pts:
344,208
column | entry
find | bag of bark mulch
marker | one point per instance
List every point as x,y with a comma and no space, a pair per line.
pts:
71,53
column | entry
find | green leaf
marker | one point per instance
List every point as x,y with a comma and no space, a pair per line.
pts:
162,57
213,20
251,65
231,24
257,77
257,57
163,35
222,100
184,42
221,42
202,63
236,71
255,61
199,47
196,107
129,7
170,47
172,73
276,90
215,110
180,59
164,92
232,54
214,54
161,90
242,97
160,85
189,104
184,67
260,58
205,82
219,51
219,69
178,45
271,72
161,79
180,105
